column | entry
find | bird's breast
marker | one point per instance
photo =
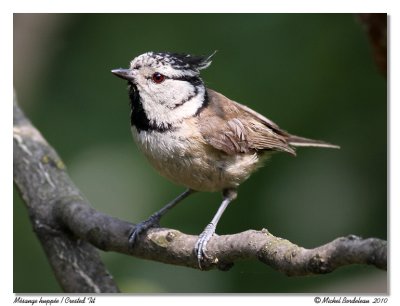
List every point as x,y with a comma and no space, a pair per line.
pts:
182,156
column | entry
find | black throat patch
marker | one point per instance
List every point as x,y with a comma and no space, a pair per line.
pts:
139,117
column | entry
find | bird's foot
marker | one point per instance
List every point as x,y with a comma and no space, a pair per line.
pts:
153,221
201,244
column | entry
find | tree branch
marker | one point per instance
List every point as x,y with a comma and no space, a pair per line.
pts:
375,25
173,247
66,223
42,180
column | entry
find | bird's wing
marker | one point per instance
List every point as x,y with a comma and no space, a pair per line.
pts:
234,128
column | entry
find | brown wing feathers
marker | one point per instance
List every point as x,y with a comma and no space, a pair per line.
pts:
234,129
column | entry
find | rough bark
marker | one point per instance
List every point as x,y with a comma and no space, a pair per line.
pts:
42,181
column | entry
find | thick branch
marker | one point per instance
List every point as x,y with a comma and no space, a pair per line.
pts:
41,179
173,247
57,208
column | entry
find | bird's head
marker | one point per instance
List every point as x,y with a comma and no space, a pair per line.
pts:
166,85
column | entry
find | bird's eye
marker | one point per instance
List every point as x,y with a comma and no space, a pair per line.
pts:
158,78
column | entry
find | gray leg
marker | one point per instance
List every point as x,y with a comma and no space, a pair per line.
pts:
155,218
200,247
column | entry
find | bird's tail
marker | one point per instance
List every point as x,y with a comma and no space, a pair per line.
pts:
298,141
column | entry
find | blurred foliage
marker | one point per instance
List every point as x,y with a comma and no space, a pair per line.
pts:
313,74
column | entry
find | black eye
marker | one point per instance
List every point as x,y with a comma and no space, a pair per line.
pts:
158,78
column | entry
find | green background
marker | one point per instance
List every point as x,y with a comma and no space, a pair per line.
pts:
313,74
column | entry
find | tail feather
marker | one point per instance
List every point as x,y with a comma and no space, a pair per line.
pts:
298,141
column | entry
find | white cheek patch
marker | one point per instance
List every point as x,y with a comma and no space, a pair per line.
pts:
172,93
172,105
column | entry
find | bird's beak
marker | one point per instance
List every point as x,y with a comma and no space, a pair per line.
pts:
125,74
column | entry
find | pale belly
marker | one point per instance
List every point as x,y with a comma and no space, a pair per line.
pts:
193,163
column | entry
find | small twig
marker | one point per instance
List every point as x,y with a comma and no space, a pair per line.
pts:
375,26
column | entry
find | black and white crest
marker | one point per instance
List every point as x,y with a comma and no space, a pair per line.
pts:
179,62
182,61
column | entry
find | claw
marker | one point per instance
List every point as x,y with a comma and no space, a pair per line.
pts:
201,244
142,227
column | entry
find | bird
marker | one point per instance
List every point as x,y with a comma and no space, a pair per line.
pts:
195,136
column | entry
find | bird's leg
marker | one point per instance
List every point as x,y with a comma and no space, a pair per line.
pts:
200,248
154,219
